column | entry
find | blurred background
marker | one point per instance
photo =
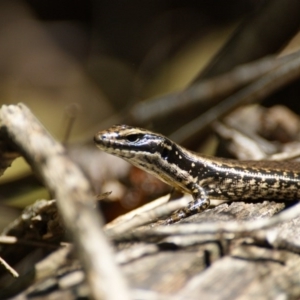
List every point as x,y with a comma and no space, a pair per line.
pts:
102,56
79,65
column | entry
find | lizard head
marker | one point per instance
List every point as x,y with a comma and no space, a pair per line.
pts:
147,150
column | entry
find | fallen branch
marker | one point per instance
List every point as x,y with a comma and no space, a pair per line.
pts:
74,195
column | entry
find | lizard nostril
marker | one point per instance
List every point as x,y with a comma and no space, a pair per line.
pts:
98,138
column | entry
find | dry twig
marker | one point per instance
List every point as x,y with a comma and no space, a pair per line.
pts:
74,196
11,270
235,228
148,217
258,90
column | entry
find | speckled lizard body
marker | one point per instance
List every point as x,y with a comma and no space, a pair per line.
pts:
202,176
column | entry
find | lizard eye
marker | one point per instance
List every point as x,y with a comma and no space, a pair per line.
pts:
133,137
165,153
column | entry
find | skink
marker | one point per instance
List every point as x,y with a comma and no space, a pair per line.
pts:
204,177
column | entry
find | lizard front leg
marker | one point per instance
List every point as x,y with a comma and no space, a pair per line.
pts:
201,202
